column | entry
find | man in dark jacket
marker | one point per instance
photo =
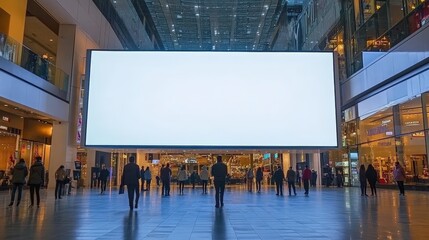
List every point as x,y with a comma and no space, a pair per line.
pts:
279,176
291,176
104,175
19,172
219,172
130,177
166,178
36,179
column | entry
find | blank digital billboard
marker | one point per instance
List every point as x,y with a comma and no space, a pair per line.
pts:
210,99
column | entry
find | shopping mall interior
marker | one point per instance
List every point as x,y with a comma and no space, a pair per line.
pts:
381,95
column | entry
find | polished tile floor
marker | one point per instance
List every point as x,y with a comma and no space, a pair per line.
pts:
326,214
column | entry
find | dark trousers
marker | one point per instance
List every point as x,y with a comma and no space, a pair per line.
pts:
258,185
166,187
148,184
37,188
363,188
279,187
131,189
291,185
204,185
15,187
373,188
306,185
58,189
142,188
181,186
220,189
400,186
103,185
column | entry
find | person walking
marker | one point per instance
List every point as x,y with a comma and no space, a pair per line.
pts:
219,172
362,180
204,178
313,178
19,172
182,177
371,176
399,176
130,178
60,176
166,178
104,175
193,178
249,179
291,176
36,179
259,177
148,178
159,176
278,177
142,178
306,176
340,182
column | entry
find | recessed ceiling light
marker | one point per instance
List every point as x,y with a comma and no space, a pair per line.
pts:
6,105
51,40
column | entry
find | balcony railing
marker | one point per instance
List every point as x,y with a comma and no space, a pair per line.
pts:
19,54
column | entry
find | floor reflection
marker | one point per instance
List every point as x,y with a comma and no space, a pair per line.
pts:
219,225
131,225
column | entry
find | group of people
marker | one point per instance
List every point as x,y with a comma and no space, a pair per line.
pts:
35,180
370,175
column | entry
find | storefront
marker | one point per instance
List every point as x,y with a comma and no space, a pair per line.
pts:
395,133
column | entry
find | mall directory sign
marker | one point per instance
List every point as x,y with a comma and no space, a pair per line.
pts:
178,99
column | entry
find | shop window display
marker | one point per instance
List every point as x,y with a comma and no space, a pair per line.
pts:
411,116
382,155
414,157
377,126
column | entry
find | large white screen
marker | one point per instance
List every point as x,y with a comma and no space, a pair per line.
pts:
214,99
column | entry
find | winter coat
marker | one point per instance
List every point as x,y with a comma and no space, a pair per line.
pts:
291,175
399,174
37,174
306,174
371,175
147,175
20,171
204,174
131,174
104,174
60,174
279,175
259,175
362,176
183,176
250,174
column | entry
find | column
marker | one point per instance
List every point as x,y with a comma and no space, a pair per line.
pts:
286,162
90,162
426,124
317,167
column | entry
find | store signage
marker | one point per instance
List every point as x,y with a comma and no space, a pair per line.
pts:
412,123
377,130
386,121
3,128
418,134
4,118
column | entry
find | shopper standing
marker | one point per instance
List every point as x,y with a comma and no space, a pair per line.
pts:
36,179
306,176
259,177
371,176
142,178
130,178
204,178
148,177
19,172
362,179
250,177
193,178
166,178
104,175
182,177
60,176
278,177
219,172
313,178
399,176
291,176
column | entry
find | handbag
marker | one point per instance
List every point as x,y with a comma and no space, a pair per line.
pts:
121,189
